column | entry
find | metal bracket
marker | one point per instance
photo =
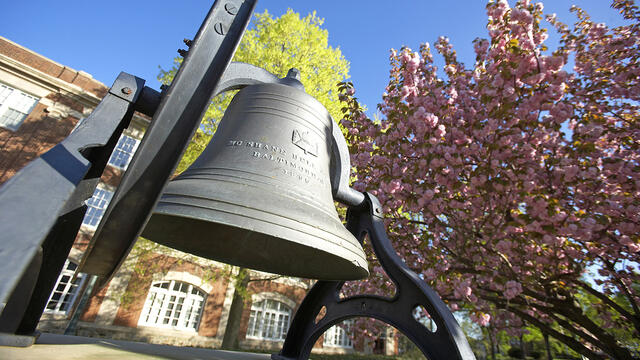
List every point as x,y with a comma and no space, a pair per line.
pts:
34,226
341,170
447,342
174,122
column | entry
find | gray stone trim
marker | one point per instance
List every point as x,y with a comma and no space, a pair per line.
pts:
113,297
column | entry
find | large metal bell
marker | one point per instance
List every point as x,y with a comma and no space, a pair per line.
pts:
259,196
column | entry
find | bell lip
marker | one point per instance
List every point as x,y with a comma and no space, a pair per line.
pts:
190,199
313,262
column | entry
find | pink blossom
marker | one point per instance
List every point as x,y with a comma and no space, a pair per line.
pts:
431,120
512,289
506,201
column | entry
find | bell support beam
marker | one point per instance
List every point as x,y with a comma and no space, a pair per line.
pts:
36,231
173,125
447,342
341,171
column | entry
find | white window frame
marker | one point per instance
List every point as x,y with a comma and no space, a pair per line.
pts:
169,308
269,319
338,336
12,99
122,151
67,288
96,206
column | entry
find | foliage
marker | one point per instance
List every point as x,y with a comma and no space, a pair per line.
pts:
506,183
277,45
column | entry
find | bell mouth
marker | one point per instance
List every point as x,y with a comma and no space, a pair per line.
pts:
240,241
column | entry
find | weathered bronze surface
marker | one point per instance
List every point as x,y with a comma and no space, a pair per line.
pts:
259,196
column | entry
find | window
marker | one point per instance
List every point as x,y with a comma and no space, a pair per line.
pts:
66,289
338,336
173,304
269,320
122,154
14,107
96,207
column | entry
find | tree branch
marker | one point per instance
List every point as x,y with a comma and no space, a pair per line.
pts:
605,299
574,344
623,287
275,277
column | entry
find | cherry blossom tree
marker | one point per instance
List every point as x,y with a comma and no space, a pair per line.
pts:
513,186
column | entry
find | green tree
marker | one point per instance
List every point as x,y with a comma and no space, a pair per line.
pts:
275,44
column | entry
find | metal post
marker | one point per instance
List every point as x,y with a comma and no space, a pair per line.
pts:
72,327
32,224
175,121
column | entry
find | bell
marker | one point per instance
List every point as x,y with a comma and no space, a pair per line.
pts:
259,196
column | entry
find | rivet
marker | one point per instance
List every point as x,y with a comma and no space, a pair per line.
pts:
219,28
231,9
126,90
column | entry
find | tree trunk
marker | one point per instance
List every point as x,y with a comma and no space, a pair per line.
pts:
232,330
491,344
547,346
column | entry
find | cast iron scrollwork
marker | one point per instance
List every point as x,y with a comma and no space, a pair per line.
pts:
446,342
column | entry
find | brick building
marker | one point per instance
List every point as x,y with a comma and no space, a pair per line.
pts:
159,295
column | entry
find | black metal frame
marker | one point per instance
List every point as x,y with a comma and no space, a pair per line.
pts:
447,342
176,119
42,206
37,232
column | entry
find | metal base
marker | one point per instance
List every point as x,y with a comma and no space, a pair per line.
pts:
447,342
18,340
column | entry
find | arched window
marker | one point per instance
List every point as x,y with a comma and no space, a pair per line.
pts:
338,335
173,304
269,320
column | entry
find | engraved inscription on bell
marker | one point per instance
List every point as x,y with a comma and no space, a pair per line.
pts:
290,164
301,140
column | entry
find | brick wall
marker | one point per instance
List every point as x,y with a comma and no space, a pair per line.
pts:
58,87
37,134
40,63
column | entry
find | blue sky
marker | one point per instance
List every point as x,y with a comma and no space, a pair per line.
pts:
136,36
